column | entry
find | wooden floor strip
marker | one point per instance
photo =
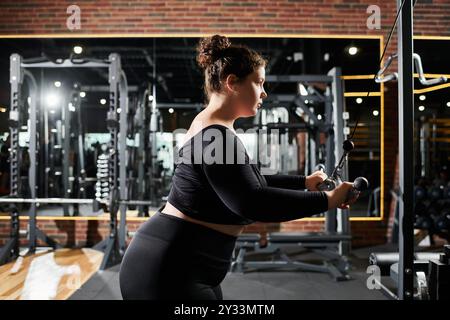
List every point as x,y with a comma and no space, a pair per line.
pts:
53,274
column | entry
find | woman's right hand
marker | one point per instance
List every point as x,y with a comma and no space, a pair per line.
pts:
337,198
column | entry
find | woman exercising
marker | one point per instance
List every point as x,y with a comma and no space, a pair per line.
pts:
184,251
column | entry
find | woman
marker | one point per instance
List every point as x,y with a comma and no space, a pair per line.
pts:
184,252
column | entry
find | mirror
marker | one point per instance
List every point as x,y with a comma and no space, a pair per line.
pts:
162,72
432,137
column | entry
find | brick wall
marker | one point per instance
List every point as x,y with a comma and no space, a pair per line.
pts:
204,16
69,233
247,17
86,233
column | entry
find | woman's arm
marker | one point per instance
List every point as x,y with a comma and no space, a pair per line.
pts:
293,182
239,188
242,188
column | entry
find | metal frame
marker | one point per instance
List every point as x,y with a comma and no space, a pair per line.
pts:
143,114
326,245
66,122
80,145
123,186
114,245
11,248
405,53
406,154
335,220
18,74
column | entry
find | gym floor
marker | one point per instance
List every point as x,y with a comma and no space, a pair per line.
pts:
266,285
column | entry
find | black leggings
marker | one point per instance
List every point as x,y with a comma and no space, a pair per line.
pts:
171,258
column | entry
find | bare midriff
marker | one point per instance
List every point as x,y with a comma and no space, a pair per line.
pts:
232,230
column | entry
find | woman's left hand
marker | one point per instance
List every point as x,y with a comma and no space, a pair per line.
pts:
312,181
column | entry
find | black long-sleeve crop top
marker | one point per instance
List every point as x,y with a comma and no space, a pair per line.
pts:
215,181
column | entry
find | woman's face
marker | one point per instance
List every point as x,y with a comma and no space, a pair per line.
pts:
250,93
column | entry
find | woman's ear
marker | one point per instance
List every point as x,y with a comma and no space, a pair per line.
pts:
231,83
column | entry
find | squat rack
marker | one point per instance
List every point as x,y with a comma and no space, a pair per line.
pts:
337,220
114,245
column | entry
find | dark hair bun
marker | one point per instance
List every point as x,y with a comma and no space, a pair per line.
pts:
210,49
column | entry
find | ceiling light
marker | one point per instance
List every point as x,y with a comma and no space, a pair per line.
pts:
352,50
52,99
298,56
77,49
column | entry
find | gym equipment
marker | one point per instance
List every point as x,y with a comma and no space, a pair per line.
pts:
406,57
431,278
360,184
141,176
436,193
113,246
420,193
327,244
18,76
430,210
423,222
433,145
337,220
324,244
442,222
434,208
380,77
306,119
384,260
373,209
111,165
10,250
447,193
420,209
102,185
439,276
96,203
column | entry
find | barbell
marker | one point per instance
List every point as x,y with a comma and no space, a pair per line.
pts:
97,204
